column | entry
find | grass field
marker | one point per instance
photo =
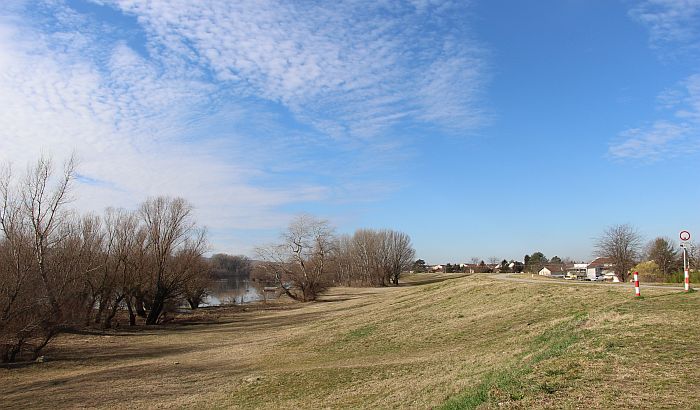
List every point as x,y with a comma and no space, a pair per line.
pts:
458,343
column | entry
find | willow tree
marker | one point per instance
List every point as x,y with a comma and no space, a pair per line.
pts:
174,248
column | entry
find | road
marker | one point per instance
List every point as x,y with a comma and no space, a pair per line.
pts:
508,277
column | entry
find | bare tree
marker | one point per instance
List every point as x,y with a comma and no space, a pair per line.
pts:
343,261
40,289
372,258
174,246
399,254
302,258
43,207
124,264
197,287
367,252
20,309
622,245
60,270
79,258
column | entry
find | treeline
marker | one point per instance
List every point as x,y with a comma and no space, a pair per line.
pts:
477,266
372,257
310,257
226,267
60,270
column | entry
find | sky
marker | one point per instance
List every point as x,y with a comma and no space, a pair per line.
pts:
480,128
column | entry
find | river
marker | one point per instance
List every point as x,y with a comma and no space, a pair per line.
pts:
230,291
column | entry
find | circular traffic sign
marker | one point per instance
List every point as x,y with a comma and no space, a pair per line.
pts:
685,236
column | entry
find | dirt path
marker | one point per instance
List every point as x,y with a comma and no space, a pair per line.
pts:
508,277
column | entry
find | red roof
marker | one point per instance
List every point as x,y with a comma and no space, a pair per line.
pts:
600,263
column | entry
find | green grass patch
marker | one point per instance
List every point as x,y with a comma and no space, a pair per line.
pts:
511,384
504,383
483,392
360,333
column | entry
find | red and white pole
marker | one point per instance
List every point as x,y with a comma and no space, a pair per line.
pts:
685,237
636,284
685,270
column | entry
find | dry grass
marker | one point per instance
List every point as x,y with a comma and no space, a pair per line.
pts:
458,343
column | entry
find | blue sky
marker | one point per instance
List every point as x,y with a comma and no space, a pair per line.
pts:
481,128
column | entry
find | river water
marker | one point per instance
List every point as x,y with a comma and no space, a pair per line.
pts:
233,291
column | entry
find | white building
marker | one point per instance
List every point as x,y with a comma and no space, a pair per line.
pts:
600,267
576,271
553,269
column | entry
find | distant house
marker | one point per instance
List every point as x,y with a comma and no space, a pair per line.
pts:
557,270
476,267
516,266
437,268
576,271
468,267
601,267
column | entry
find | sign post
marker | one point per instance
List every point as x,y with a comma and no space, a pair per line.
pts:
685,237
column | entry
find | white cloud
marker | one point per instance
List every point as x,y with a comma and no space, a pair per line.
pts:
661,140
666,138
194,109
125,124
352,67
673,25
669,20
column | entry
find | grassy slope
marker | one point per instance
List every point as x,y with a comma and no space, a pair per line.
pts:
459,343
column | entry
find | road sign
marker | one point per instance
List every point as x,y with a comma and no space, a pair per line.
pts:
685,236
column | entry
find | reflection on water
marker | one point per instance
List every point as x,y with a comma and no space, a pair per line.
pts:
232,291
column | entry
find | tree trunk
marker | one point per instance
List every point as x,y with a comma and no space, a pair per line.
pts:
110,316
100,311
156,307
155,312
395,278
291,295
47,338
194,302
48,287
11,352
132,315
